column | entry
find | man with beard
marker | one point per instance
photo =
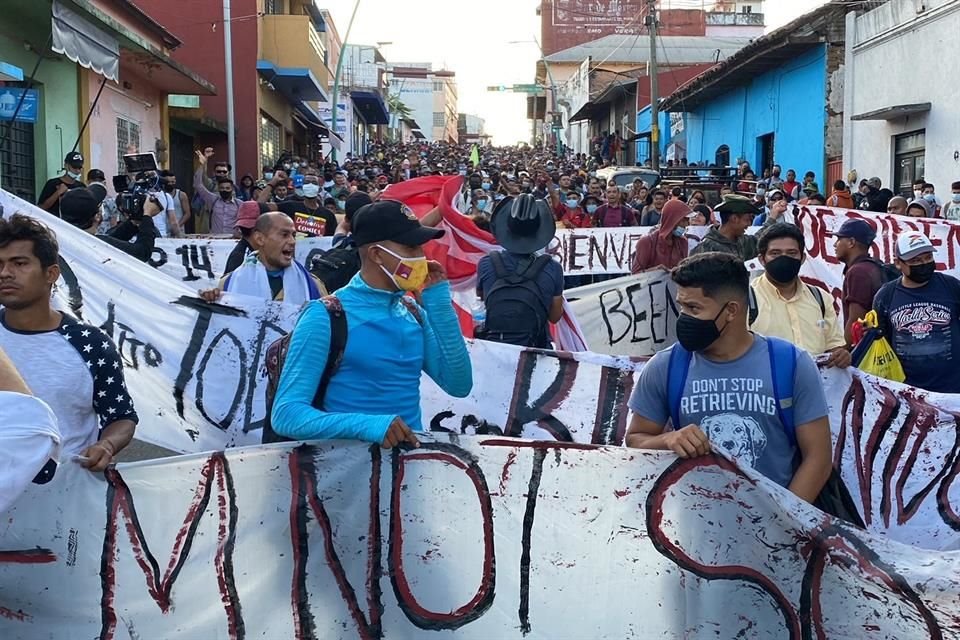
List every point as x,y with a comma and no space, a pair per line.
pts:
223,205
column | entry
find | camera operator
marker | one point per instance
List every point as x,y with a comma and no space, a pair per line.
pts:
81,208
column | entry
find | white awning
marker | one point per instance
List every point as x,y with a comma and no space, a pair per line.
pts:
85,44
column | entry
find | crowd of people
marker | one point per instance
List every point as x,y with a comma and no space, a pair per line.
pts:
738,340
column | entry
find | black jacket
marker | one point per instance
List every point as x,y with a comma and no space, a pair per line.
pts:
142,248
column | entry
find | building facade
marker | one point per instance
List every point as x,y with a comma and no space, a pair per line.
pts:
775,101
104,100
292,45
903,131
363,82
430,96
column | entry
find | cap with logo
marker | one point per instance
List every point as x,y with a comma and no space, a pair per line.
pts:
390,220
73,159
859,230
910,245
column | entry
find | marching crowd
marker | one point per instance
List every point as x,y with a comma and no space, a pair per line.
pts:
742,377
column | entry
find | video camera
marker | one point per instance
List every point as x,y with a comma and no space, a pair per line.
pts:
133,193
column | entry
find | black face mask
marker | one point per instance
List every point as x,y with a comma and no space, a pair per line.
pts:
695,334
226,195
169,188
783,269
921,273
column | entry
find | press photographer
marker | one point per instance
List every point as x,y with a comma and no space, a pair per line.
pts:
136,235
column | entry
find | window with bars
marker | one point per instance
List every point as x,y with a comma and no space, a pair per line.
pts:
269,141
128,141
272,7
439,119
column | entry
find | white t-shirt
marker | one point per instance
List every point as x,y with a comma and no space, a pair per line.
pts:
160,220
29,438
77,371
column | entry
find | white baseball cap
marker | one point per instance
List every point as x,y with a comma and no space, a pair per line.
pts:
912,244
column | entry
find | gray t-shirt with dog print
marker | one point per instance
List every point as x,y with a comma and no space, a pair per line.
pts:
734,404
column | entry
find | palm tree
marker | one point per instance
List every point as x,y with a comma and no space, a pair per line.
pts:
397,109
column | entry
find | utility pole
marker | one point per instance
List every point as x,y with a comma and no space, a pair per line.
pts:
336,79
228,63
654,89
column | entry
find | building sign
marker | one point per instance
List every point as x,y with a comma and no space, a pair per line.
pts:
10,98
676,124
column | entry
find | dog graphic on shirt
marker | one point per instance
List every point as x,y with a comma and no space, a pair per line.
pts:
740,436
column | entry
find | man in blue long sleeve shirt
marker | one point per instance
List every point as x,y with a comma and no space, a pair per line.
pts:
375,393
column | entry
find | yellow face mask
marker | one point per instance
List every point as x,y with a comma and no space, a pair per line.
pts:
410,273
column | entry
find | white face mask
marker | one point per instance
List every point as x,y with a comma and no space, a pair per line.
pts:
310,190
918,194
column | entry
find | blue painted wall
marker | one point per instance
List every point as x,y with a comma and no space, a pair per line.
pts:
643,126
789,102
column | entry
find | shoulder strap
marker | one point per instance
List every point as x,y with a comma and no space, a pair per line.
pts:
534,268
338,344
753,307
498,266
783,368
818,294
677,369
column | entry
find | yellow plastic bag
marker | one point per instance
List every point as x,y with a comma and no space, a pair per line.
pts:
876,356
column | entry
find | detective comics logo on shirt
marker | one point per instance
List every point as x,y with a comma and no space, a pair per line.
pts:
309,225
920,319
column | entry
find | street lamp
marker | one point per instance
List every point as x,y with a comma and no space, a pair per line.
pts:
336,77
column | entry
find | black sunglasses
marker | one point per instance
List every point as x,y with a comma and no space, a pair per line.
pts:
775,198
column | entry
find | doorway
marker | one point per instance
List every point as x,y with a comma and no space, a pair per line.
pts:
765,151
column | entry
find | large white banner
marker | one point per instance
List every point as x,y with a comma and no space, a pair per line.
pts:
465,537
633,315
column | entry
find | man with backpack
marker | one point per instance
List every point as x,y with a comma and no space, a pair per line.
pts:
522,291
863,275
375,339
787,307
759,399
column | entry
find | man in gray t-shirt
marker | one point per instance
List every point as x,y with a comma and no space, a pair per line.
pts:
734,405
728,401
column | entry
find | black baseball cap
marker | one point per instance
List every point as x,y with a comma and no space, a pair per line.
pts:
78,207
390,220
73,159
859,230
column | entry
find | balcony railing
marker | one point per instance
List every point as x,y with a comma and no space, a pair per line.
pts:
293,42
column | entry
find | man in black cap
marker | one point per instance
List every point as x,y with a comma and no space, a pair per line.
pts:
54,189
81,208
863,275
374,393
522,291
736,216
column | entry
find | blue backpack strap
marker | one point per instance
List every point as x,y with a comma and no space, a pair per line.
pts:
677,369
783,368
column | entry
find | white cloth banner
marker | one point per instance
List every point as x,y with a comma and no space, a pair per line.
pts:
633,315
195,373
478,537
29,438
201,262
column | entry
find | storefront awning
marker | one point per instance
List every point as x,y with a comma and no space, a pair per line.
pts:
296,84
83,43
370,106
894,112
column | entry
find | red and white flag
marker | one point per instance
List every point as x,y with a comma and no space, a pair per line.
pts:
461,248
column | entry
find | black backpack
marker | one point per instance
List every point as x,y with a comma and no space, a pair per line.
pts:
336,266
277,355
515,311
888,271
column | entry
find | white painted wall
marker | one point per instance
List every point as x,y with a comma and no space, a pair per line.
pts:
899,56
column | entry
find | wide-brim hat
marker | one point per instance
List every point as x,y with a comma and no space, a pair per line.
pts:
523,224
734,204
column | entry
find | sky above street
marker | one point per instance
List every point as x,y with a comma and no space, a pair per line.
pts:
485,44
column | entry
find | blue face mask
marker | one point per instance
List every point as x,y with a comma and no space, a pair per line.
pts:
679,231
486,186
956,197
591,208
483,205
929,197
572,204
